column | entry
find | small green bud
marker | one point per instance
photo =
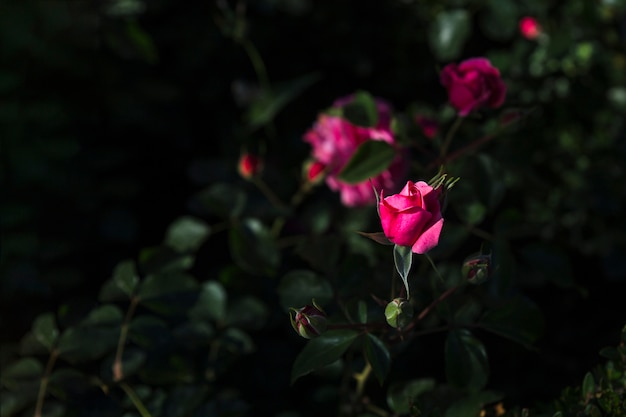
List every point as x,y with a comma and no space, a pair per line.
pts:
308,321
477,268
399,313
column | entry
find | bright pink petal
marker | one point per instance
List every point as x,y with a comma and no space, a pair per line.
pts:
429,237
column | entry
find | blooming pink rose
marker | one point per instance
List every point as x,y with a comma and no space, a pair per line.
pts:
529,27
472,84
334,141
412,217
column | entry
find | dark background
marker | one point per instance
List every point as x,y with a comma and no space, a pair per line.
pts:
110,121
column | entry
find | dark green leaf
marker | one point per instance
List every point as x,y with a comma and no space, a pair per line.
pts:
211,304
186,234
472,404
322,351
237,341
589,386
361,110
223,199
248,313
148,331
184,399
378,356
298,288
162,259
466,360
25,368
110,292
45,330
79,344
107,315
401,396
448,34
253,248
517,319
125,277
169,294
370,159
155,286
30,345
403,258
132,360
270,103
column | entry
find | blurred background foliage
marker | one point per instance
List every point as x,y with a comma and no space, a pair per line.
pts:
118,117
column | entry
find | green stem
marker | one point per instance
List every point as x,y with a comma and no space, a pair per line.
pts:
361,379
43,386
449,136
134,398
118,372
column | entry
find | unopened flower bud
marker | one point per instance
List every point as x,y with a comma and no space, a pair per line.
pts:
477,268
308,321
399,313
530,28
249,165
314,172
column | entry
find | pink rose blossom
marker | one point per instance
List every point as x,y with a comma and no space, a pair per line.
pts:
334,141
472,84
529,27
412,217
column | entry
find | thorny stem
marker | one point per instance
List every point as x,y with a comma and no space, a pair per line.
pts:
118,372
43,386
134,398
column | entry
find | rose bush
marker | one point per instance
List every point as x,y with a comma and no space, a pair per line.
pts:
412,217
472,84
334,141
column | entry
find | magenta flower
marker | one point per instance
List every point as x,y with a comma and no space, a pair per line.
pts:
334,140
529,27
472,84
412,217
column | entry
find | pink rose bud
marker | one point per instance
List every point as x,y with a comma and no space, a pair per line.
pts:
309,321
412,217
529,27
473,84
399,313
315,172
429,126
249,165
477,268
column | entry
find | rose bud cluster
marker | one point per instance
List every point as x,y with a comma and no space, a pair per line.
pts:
399,313
308,321
472,84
